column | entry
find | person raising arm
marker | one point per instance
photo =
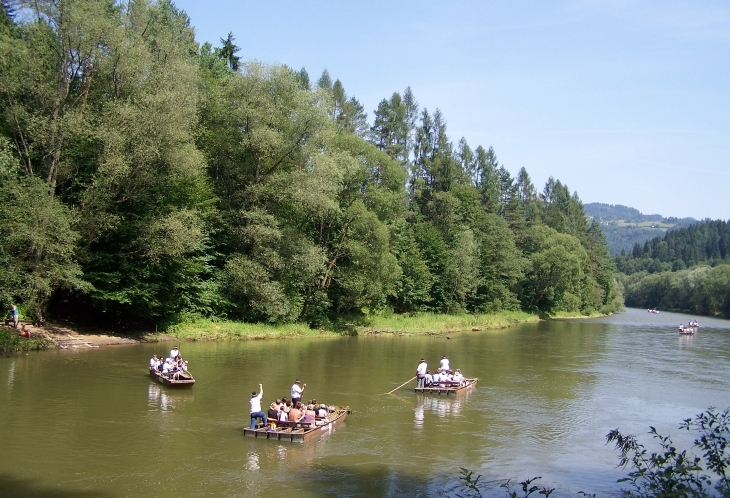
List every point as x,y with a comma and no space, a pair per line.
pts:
256,412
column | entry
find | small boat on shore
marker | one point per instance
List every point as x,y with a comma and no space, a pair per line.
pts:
298,432
179,379
448,387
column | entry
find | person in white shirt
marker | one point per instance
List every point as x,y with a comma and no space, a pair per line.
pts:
283,416
436,377
256,412
458,377
296,391
153,362
174,353
429,379
444,364
421,370
167,366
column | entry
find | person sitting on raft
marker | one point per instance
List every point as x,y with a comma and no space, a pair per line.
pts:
274,409
283,415
154,363
296,414
458,377
309,415
322,411
429,379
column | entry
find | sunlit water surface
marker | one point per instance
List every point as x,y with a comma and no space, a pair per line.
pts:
82,423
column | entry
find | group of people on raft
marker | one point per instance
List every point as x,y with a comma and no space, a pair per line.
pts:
172,367
692,324
444,376
285,411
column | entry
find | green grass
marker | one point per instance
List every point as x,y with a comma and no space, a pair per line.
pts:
574,314
207,330
421,324
11,342
436,324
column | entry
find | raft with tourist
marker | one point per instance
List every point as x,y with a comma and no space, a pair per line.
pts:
291,420
171,371
689,329
443,381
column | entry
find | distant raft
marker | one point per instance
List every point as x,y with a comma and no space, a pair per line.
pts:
299,432
448,387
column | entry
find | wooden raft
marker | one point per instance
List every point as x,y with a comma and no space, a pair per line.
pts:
448,388
298,432
186,379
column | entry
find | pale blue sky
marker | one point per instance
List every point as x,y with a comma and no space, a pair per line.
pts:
628,102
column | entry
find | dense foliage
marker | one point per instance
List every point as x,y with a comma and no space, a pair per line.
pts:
150,178
686,270
705,242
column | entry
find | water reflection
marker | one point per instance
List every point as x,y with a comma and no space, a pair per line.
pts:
159,397
252,461
442,406
11,373
685,340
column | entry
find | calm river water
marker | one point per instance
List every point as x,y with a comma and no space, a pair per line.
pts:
83,423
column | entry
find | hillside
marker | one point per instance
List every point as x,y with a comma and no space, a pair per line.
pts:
625,226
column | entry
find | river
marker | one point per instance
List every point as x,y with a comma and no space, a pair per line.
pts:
83,423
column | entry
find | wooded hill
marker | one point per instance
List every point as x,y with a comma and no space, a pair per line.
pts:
147,177
685,270
625,227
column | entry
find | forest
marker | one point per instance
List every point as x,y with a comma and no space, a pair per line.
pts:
624,226
686,270
147,178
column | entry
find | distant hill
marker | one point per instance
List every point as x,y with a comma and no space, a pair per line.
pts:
625,226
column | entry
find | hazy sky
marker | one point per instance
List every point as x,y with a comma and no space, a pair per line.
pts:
627,102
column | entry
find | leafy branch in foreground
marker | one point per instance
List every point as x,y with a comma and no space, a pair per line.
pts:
671,472
471,485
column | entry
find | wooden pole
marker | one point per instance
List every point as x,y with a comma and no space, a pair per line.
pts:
406,382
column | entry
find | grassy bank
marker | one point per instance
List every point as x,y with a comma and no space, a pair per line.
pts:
436,324
421,324
11,342
206,330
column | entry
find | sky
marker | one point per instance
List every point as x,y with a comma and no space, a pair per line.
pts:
625,101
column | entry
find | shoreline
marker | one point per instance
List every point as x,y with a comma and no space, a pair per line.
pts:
70,336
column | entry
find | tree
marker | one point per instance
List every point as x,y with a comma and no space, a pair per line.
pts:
37,241
671,472
228,52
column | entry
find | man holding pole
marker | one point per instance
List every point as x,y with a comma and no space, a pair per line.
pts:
256,412
296,391
421,373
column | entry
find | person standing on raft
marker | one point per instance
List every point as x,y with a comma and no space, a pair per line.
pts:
421,373
255,410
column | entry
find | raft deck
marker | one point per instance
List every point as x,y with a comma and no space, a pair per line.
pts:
448,388
297,432
185,379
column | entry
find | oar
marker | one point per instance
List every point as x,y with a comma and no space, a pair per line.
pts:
406,382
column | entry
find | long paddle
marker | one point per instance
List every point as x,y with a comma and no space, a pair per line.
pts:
406,382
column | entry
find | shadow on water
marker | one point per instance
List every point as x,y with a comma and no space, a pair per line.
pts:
368,480
381,480
31,488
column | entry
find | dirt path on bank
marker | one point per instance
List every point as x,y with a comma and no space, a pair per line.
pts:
69,336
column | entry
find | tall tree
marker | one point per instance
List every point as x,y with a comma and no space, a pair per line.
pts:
228,52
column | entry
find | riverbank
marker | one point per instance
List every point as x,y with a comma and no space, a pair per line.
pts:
421,324
69,335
